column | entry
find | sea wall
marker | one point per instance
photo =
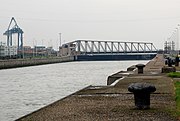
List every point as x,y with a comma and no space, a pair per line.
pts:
13,63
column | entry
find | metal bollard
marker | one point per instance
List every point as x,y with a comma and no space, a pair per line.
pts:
169,62
142,93
177,61
140,68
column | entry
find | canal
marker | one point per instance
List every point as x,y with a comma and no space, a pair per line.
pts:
27,89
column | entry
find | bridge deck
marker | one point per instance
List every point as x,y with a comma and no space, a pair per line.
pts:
104,57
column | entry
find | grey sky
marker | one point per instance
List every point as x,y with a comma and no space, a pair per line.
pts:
126,20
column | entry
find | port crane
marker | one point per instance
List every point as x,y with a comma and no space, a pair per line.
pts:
14,29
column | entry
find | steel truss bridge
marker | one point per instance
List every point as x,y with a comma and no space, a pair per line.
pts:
109,47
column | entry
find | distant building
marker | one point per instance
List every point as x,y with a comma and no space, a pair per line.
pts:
40,50
43,51
8,51
51,51
3,50
27,51
12,50
67,50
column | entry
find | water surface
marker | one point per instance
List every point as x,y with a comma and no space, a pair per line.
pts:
27,89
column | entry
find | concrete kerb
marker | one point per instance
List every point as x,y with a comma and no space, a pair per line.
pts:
114,78
116,81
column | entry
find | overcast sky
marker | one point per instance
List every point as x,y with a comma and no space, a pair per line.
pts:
124,20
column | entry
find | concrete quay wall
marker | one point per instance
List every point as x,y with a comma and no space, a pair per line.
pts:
115,102
5,64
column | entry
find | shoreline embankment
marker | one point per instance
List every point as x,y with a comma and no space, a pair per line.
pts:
15,63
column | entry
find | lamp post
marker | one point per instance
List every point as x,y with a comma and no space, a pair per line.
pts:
59,45
171,38
60,38
178,37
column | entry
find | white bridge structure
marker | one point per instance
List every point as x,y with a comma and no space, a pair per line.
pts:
82,47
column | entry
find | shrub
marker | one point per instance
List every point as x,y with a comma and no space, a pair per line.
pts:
174,74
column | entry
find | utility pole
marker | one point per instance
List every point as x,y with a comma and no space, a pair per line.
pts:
33,48
60,38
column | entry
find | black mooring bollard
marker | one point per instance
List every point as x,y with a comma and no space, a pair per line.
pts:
140,68
142,93
177,61
169,62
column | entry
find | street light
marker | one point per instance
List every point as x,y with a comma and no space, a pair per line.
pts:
178,37
60,38
172,35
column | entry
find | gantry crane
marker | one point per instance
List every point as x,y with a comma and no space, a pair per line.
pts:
14,30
